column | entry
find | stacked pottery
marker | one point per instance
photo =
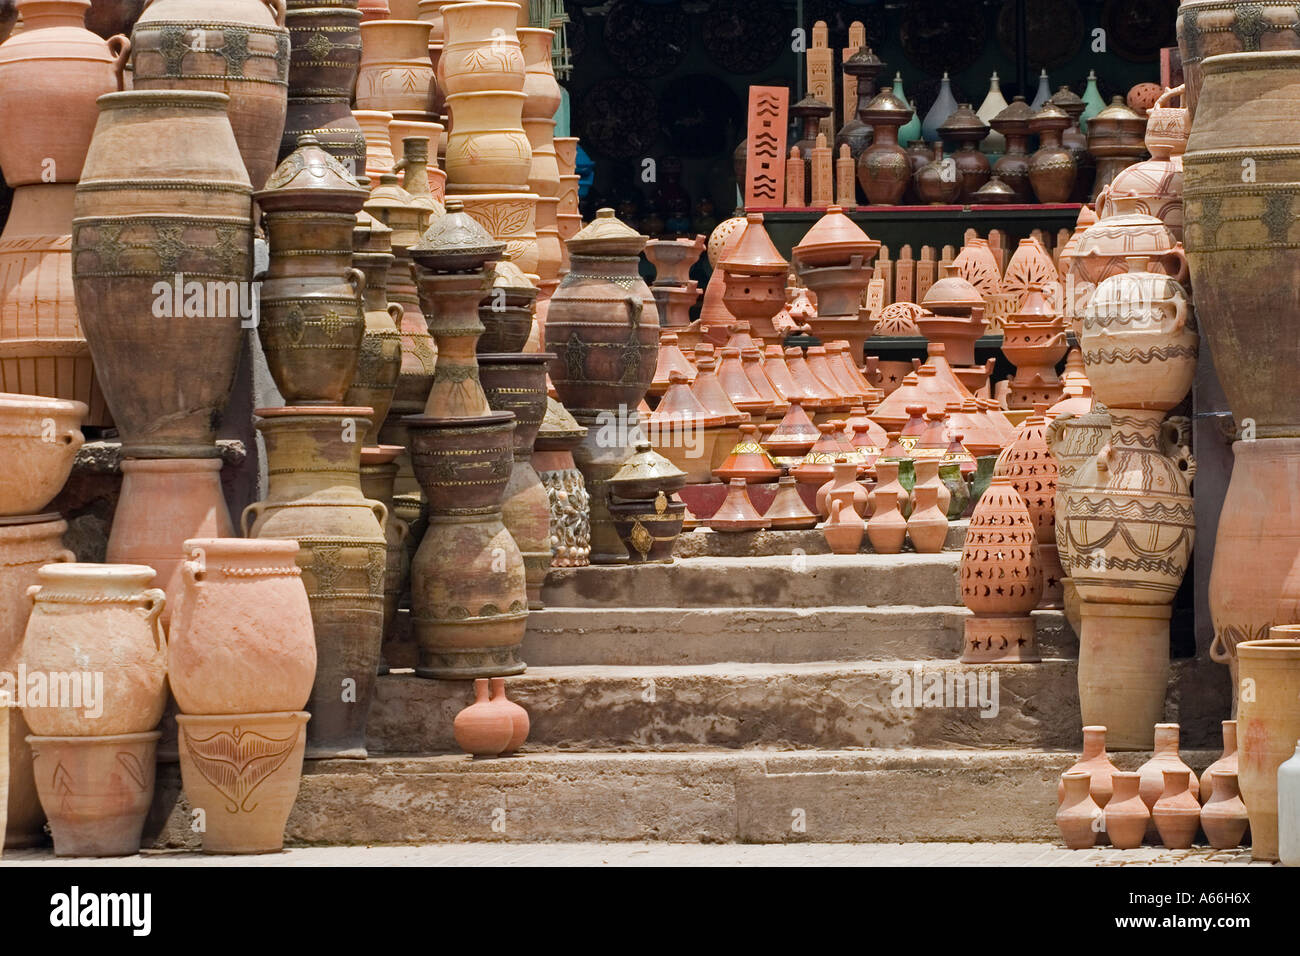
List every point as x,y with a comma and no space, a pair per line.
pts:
1128,513
93,759
1029,464
603,328
674,290
645,518
1033,339
544,97
469,597
754,278
324,56
54,67
378,478
1116,137
834,261
1155,186
857,132
566,492
241,663
1073,139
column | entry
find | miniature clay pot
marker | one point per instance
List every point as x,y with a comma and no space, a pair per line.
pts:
1127,816
1078,818
1177,814
483,729
927,528
39,440
1224,817
1226,763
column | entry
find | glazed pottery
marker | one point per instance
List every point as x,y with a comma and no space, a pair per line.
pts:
1078,818
1224,816
95,790
887,528
844,528
1001,579
242,771
958,490
314,497
482,729
240,48
1097,764
1165,759
1127,816
92,619
518,716
863,67
1177,814
133,244
39,440
883,168
1226,763
1268,721
927,527
1288,811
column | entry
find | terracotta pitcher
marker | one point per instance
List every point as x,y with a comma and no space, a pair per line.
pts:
845,527
1079,818
1224,817
483,729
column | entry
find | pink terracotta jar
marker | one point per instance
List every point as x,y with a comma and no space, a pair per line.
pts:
481,50
483,729
39,440
518,716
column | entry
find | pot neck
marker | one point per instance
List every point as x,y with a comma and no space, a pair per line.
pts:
43,14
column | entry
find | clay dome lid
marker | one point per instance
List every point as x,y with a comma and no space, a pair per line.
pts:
310,179
834,239
1050,116
964,125
645,474
558,424
952,292
754,254
507,275
864,63
393,205
456,243
1120,114
886,109
607,235
1035,307
1069,101
994,192
1014,118
720,235
680,407
810,106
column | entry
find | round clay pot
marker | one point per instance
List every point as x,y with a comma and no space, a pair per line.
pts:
311,331
883,168
1052,168
1177,814
130,239
518,716
39,439
95,790
1224,816
1078,818
487,149
1268,722
241,50
1094,761
938,182
396,73
1073,440
1127,816
98,619
241,634
52,71
242,771
481,48
483,729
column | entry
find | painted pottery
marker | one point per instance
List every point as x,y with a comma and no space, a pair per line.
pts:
325,54
1224,816
482,729
1127,816
379,362
1209,28
1268,721
39,440
487,149
1001,579
378,475
565,489
648,528
1079,818
395,73
1177,814
481,49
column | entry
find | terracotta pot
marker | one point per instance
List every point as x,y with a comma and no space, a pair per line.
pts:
1079,818
1097,764
883,168
928,526
1001,580
1177,814
129,240
1115,139
1105,247
1212,28
1268,721
1124,669
846,479
314,497
379,363
95,790
518,716
481,49
110,17
487,149
737,512
244,53
540,86
954,317
1226,763
1127,816
958,490
787,512
325,54
565,489
161,505
483,729
380,153
26,545
401,128
53,67
1224,816
1155,186
395,72
1052,168
469,595
98,619
510,218
241,638
887,528
378,473
937,182
845,527
1165,758
1012,167
39,439
648,529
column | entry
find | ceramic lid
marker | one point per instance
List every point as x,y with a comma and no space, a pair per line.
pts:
607,235
886,109
1121,115
679,406
1014,118
392,204
1068,101
646,473
310,179
456,243
952,292
994,191
836,232
558,424
964,125
864,63
754,254
810,106
1050,116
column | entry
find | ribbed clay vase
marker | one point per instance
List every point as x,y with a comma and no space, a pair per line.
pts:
236,47
1268,721
164,193
314,497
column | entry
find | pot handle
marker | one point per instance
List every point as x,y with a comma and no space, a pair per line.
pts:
65,557
192,570
1054,429
357,279
278,10
119,46
1170,93
1220,653
32,591
1181,312
403,530
396,310
156,599
381,512
634,309
1179,262
246,526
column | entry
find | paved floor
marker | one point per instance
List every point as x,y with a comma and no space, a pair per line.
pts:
674,854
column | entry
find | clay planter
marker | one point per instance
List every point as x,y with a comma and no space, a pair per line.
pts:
26,545
53,67
1177,814
511,218
483,729
487,149
469,600
1079,818
39,439
1268,721
1127,816
314,497
396,73
1096,764
242,770
481,49
130,241
161,505
98,619
241,50
517,383
1224,817
95,790
325,54
1001,580
241,633
648,529
518,716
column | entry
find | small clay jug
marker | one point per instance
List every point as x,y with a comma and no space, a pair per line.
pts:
1165,758
958,489
1177,814
928,526
887,528
1227,763
1224,816
846,478
1097,763
1077,818
1127,817
518,716
927,475
483,729
844,529
886,480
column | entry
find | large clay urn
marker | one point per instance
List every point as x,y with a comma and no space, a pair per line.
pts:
164,201
396,73
236,47
1209,28
325,54
92,621
379,470
883,167
314,497
966,129
1268,719
1238,231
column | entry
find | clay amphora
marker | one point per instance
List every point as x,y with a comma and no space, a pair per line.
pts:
1012,167
1224,817
483,729
98,618
883,167
396,73
242,770
133,244
1079,818
1268,721
39,440
887,528
1096,763
243,51
844,528
518,716
1127,816
95,790
1177,814
937,182
928,526
241,634
1226,763
314,497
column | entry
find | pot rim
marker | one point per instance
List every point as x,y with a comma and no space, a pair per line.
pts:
16,401
296,716
491,421
315,411
195,99
29,521
515,358
1242,62
143,737
1273,647
171,465
57,573
241,547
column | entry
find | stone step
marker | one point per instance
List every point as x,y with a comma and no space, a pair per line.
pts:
801,580
564,636
704,543
787,706
891,796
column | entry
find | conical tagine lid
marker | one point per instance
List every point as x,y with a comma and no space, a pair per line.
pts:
645,474
311,180
606,235
456,243
754,254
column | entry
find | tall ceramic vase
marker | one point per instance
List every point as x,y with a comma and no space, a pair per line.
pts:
162,211
314,498
236,47
325,54
1268,717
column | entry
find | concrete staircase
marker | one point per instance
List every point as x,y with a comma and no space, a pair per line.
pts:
753,698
